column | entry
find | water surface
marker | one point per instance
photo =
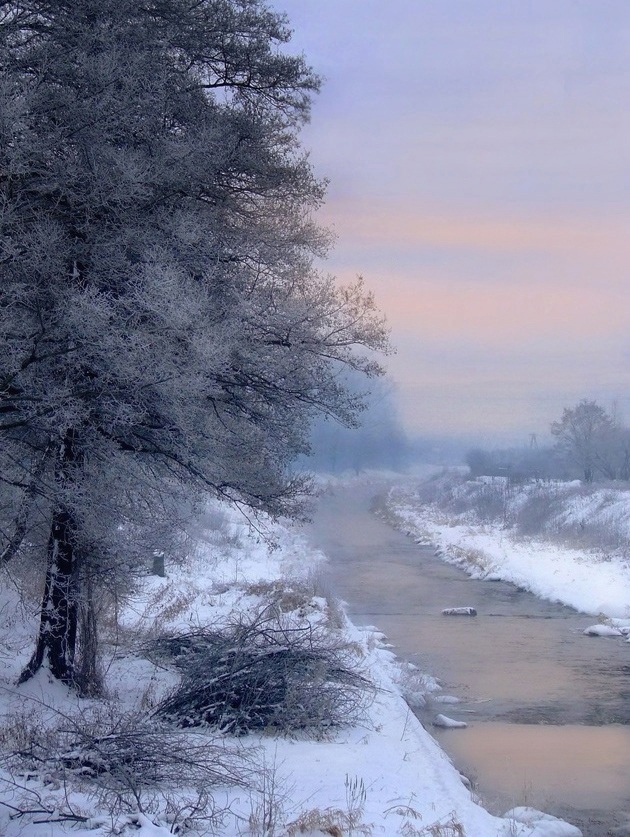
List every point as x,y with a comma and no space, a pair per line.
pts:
548,708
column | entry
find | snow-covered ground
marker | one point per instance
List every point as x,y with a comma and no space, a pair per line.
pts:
593,580
382,775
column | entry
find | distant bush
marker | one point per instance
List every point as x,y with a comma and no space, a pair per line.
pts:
439,488
516,464
578,515
489,502
538,510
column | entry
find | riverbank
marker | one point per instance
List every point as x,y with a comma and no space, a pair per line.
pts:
382,774
475,524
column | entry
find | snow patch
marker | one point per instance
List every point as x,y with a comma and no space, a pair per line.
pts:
445,722
529,822
603,630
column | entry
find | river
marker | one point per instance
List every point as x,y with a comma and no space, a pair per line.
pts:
548,708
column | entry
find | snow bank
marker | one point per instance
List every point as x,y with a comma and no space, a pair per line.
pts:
589,580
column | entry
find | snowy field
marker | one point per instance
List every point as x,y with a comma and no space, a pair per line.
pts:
382,774
593,580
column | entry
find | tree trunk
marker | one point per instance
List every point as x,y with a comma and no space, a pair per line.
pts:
87,676
158,564
57,638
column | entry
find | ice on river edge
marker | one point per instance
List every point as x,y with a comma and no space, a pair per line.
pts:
603,630
544,825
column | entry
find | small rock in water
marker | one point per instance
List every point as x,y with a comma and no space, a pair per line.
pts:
445,699
603,630
459,611
448,723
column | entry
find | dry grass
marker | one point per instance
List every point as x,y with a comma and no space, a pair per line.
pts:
336,822
331,821
286,596
471,557
544,510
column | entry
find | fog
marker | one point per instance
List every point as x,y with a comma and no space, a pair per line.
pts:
479,173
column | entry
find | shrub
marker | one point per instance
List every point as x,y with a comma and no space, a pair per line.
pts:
125,760
538,511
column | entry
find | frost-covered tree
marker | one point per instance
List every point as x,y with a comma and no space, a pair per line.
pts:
586,437
162,328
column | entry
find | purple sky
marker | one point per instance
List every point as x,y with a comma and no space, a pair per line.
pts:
479,164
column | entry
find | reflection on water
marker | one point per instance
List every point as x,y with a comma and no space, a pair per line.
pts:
585,767
521,660
487,657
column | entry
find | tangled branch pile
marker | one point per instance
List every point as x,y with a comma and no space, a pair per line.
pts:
263,673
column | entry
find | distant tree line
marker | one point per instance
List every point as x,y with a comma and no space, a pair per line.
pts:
591,443
379,441
516,463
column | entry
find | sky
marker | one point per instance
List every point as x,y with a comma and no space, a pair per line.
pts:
478,154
